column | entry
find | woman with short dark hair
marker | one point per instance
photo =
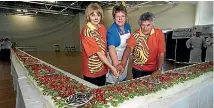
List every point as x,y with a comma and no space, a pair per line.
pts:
117,35
148,47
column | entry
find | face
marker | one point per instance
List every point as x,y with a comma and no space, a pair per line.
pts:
198,34
95,18
120,18
146,27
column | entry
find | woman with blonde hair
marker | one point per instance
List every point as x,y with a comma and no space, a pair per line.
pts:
94,50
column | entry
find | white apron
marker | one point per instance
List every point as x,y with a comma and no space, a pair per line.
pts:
110,78
195,53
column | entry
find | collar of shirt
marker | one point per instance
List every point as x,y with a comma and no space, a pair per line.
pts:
91,26
119,30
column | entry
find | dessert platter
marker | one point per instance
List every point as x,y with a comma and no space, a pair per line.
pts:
62,91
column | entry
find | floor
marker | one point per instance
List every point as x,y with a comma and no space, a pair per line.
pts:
7,93
69,62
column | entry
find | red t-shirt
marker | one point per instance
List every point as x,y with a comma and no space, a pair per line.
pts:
156,45
93,41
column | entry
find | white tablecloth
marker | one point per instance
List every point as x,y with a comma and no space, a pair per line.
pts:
27,95
17,70
198,96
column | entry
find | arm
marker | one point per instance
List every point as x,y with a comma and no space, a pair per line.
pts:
91,47
160,64
105,60
131,43
121,66
188,43
203,42
161,51
126,54
160,61
113,55
111,47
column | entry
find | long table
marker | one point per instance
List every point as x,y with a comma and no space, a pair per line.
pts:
26,94
199,95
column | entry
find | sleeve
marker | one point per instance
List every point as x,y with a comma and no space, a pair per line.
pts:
188,43
89,44
162,46
131,41
110,39
127,27
204,42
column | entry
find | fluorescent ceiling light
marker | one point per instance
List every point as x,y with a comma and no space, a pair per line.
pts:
19,10
72,4
52,1
25,10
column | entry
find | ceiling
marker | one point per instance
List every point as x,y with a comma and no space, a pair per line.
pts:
67,8
34,8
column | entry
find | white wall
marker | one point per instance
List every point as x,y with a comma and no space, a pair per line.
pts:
204,13
42,32
167,16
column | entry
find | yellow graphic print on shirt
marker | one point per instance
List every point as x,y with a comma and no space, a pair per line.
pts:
141,50
94,62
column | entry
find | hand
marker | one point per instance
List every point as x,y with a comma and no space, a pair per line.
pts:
120,69
115,63
191,48
156,72
114,71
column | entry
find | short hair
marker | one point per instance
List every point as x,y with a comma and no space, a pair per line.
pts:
93,7
148,16
6,39
118,8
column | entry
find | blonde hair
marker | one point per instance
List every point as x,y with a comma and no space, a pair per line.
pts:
93,7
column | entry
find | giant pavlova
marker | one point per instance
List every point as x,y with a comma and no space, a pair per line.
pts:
62,91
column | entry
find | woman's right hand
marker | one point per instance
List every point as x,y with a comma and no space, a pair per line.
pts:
114,71
119,68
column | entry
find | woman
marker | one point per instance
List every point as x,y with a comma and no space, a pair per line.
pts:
117,35
209,51
147,45
93,41
195,44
